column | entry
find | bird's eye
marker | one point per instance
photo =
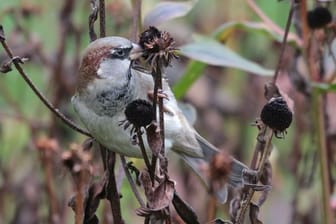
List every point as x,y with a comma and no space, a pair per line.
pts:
118,52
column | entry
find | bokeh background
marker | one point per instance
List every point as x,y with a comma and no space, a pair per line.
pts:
35,187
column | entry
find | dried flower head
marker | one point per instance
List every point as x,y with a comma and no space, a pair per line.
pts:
76,159
318,17
158,47
139,113
276,114
219,169
220,166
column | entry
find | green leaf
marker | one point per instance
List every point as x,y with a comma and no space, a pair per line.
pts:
210,51
193,71
324,87
214,53
165,11
225,30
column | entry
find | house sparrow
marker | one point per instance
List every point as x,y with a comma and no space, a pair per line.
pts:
107,83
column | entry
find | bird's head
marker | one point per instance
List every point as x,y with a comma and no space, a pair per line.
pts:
107,59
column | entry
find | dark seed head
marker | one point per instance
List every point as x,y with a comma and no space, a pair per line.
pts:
139,113
149,40
158,47
276,114
318,17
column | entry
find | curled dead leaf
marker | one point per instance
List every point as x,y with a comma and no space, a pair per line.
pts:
185,211
158,197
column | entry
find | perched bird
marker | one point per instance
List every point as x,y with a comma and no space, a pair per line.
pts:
107,83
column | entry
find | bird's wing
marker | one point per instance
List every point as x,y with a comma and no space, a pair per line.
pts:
177,128
237,167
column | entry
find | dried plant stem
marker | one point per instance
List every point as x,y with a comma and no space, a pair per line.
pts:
16,62
158,83
284,41
102,27
212,208
49,183
158,101
144,154
131,182
79,213
136,23
92,19
156,73
265,149
303,21
328,215
112,194
274,27
318,107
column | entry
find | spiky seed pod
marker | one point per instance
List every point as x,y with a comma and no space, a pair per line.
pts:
158,47
139,113
276,114
318,17
149,40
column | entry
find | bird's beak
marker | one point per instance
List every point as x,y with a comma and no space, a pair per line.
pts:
136,52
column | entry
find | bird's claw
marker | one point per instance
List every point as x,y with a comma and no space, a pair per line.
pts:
160,94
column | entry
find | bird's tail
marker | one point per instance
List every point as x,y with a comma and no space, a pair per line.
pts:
235,178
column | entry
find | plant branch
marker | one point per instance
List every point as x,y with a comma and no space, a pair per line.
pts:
17,61
136,23
144,154
92,19
46,163
271,24
265,149
328,215
131,182
102,18
284,41
112,194
158,101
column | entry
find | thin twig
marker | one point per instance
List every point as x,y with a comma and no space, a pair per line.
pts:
266,149
144,154
54,211
112,194
157,76
136,23
102,27
92,19
131,182
16,62
211,208
274,27
284,41
155,93
80,185
328,215
161,111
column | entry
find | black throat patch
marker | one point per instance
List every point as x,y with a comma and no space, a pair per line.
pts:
115,100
